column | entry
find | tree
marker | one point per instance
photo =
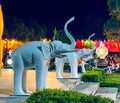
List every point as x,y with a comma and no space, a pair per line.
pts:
40,31
112,26
114,8
14,27
28,35
60,35
30,30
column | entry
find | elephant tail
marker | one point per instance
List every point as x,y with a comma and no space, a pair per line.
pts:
91,44
68,34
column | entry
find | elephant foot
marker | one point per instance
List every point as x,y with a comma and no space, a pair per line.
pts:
83,70
45,86
59,77
26,91
82,82
75,76
42,87
20,94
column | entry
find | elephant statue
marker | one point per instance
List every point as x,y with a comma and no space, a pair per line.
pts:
84,60
72,58
37,54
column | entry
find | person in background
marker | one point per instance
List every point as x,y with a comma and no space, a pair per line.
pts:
110,62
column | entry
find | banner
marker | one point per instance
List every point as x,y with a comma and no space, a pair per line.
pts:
1,32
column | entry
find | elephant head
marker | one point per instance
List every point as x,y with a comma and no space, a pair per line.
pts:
58,47
62,46
85,52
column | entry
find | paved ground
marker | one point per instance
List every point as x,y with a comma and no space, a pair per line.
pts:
6,84
118,98
11,99
6,81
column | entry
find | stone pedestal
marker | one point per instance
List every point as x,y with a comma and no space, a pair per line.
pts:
101,62
69,83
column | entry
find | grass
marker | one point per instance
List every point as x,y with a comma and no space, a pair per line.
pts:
115,77
111,80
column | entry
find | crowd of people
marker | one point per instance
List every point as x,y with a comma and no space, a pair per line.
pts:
112,63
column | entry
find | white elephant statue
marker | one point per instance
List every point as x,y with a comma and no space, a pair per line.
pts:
72,58
84,60
37,54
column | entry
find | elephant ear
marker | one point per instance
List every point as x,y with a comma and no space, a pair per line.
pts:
45,49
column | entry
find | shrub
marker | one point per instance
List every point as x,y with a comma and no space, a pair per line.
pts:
92,76
61,96
88,67
111,80
99,69
95,75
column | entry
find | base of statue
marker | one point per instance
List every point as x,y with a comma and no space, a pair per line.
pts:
101,62
69,83
27,94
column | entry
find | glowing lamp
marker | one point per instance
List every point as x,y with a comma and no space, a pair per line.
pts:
9,61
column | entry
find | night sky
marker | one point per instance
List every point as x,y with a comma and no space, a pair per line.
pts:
55,13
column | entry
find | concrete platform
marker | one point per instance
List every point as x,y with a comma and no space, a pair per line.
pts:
12,99
94,89
108,92
118,98
69,83
87,88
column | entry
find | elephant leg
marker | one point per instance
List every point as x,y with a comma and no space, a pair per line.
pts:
39,63
83,66
59,69
45,74
18,73
24,82
74,71
74,67
18,82
39,77
83,69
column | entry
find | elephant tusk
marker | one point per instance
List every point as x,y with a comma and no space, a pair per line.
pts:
60,56
59,52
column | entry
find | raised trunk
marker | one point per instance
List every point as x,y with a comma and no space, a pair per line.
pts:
91,44
68,34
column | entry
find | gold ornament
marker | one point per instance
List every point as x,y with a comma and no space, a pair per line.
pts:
102,51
